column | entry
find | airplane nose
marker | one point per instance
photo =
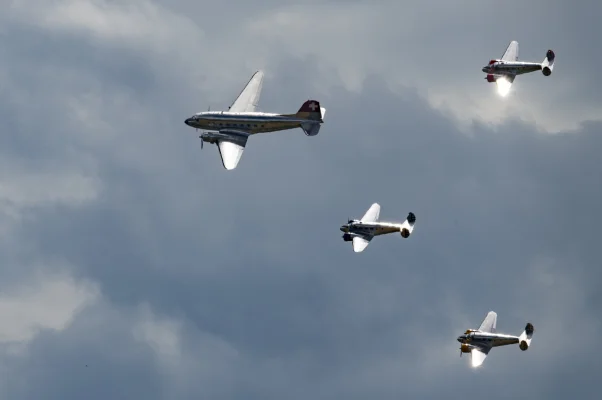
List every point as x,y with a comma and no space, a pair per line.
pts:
460,339
343,228
188,121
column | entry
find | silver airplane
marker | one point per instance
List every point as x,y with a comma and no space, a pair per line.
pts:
361,232
231,129
504,70
479,342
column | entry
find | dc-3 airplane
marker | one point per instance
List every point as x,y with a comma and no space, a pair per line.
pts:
231,129
504,70
479,342
361,232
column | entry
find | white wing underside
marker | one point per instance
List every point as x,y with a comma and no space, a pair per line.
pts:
478,356
489,323
231,153
248,99
360,243
231,150
372,214
511,53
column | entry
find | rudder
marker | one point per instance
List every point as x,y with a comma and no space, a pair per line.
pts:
310,110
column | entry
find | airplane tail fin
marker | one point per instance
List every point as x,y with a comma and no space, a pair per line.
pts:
314,114
311,110
548,63
524,340
408,226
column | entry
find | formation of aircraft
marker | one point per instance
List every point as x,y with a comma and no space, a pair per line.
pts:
360,232
231,129
480,341
504,70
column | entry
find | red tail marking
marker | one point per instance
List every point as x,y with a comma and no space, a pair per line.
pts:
310,106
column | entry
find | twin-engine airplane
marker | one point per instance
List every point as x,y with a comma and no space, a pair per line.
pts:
504,70
361,232
479,342
231,129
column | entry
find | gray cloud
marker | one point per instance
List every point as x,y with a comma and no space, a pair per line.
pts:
232,285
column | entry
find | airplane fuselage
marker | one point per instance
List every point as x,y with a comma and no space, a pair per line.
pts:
251,122
371,228
485,339
500,67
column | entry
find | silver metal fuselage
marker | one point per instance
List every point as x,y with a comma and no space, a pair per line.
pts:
511,68
371,228
486,339
251,122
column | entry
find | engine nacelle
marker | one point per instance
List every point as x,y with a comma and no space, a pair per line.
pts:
490,78
465,348
547,66
347,237
210,137
524,340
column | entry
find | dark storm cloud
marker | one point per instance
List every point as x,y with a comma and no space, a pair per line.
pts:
271,302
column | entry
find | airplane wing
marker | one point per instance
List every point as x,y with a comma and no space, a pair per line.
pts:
361,242
249,97
504,83
478,355
489,323
511,53
372,214
231,153
231,149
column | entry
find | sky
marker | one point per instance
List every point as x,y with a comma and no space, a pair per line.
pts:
135,266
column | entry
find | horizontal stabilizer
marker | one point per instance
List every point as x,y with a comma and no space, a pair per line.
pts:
547,66
408,225
310,128
524,340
